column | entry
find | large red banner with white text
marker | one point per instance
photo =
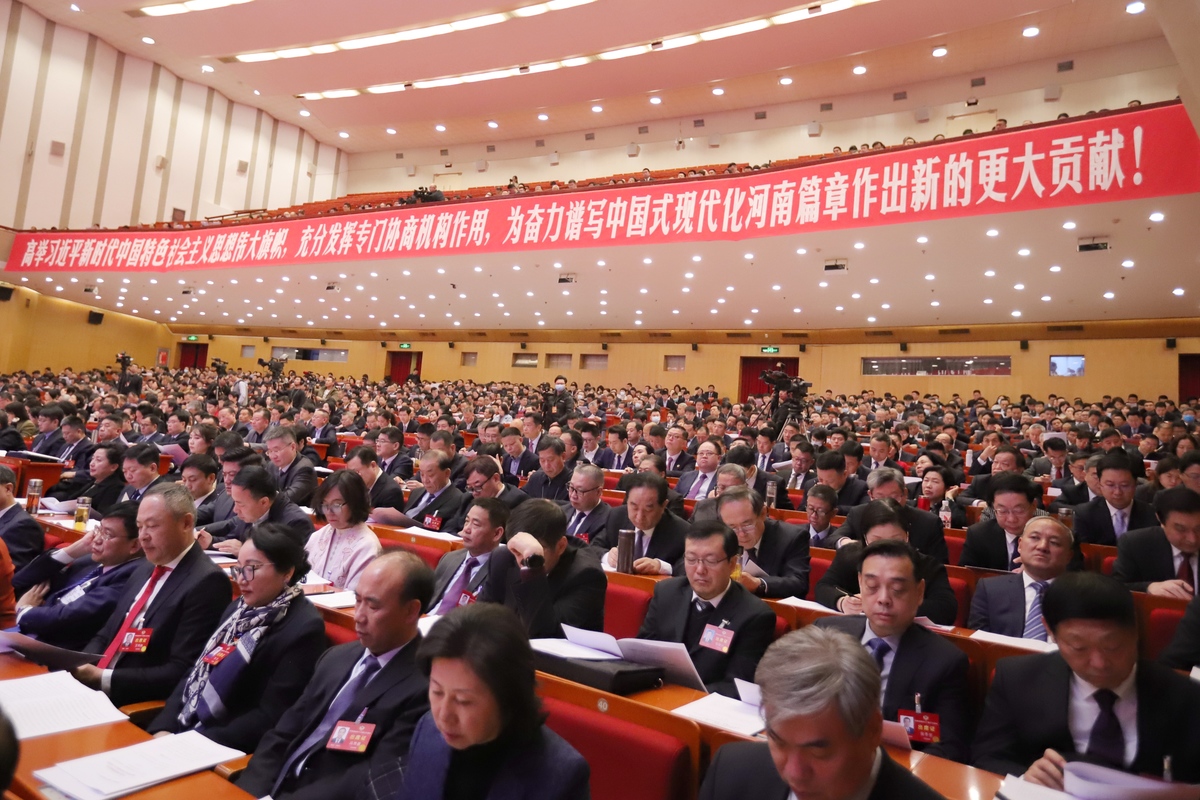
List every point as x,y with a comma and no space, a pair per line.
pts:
1151,152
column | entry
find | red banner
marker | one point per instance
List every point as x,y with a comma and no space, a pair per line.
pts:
1150,152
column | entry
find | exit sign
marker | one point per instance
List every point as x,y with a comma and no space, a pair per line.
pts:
193,338
405,346
770,349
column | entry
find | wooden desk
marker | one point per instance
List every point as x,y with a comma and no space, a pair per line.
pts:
953,780
390,533
61,525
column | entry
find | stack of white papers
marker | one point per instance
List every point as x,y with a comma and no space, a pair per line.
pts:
333,600
449,537
723,712
220,558
671,656
427,622
1083,781
53,703
130,769
55,506
1014,641
811,605
313,579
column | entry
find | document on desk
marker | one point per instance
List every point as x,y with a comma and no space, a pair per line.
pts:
1015,641
178,454
1014,788
45,654
415,531
810,605
53,703
565,649
129,769
671,656
315,579
55,506
333,600
1093,782
219,558
724,712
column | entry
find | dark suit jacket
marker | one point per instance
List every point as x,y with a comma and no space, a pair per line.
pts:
50,444
394,700
511,496
546,768
526,465
998,605
745,770
105,493
572,594
666,543
687,479
182,616
986,546
783,555
1093,523
684,462
827,542
782,501
853,493
593,524
1184,650
286,513
127,490
607,459
546,488
299,483
1026,714
928,665
401,466
445,505
23,535
217,501
385,492
1144,556
71,625
11,439
785,475
447,566
925,531
282,664
751,620
940,604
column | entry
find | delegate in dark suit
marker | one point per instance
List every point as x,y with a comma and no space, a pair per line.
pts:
666,544
22,534
49,444
282,511
745,770
1026,713
217,501
131,494
298,483
1144,556
986,546
81,599
1094,524
280,668
1184,650
542,486
592,525
782,501
511,496
572,594
998,605
445,505
447,567
928,665
925,531
853,493
688,479
386,493
182,616
11,439
672,617
940,604
104,494
393,701
782,553
401,466
684,462
607,459
527,464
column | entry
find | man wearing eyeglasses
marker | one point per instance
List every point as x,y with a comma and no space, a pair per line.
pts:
774,555
725,628
483,480
587,514
1106,519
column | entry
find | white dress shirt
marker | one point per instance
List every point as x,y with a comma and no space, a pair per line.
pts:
1031,592
1084,710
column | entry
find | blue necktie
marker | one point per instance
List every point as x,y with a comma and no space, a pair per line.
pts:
1034,627
879,650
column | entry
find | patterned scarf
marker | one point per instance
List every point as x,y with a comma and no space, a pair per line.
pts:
209,686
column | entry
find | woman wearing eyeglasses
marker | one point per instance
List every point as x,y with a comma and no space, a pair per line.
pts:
262,654
341,550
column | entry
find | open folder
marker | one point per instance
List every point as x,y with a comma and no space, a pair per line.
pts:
671,656
45,654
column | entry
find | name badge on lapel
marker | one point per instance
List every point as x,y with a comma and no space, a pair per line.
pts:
136,640
923,728
466,599
717,638
218,654
432,522
351,737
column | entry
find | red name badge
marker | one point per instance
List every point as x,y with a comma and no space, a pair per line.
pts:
432,523
218,655
466,599
923,728
353,737
715,638
583,535
136,640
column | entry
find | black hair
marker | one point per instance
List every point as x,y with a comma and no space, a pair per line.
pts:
202,462
144,454
1088,595
282,548
551,443
831,460
1013,483
1180,500
648,480
127,513
257,481
365,455
715,527
354,494
885,511
497,511
542,519
889,548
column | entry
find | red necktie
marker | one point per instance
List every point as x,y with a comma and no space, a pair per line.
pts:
115,645
1185,572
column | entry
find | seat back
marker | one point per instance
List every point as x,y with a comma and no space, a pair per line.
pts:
624,610
962,593
816,568
1107,565
429,555
1161,630
954,545
338,634
616,749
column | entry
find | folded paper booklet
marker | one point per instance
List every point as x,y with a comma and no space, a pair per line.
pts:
719,711
671,656
333,600
1084,781
1015,641
54,702
55,506
45,654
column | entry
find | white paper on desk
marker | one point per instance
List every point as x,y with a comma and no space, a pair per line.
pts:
220,558
926,622
607,566
1014,641
306,510
895,735
806,604
416,531
912,479
1014,788
314,579
1053,491
671,656
565,649
333,600
723,712
593,640
128,769
53,703
323,470
1093,782
748,692
1196,673
59,506
424,624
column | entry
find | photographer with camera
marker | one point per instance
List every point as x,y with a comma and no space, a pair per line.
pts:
787,402
557,403
130,381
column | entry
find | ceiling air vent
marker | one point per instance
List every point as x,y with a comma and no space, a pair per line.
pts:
589,137
242,330
880,333
477,333
643,129
333,286
897,96
428,334
444,152
795,336
827,106
1092,244
697,123
1066,66
660,336
954,331
518,334
760,115
737,336
836,265
1064,329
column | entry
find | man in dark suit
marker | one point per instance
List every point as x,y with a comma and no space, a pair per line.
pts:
725,628
200,473
696,484
139,465
550,481
822,506
260,421
321,432
256,499
1162,560
382,491
914,661
1106,519
76,452
831,471
1011,605
432,505
619,454
1086,701
756,479
1083,469
293,473
992,543
49,440
67,595
1053,463
519,461
374,681
1007,459
394,462
848,724
1111,442
224,516
1184,650
462,572
20,532
659,534
444,440
567,589
587,513
170,606
675,454
177,428
799,476
925,532
774,554
880,448
839,587
482,480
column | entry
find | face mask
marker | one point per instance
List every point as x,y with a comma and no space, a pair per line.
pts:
621,394
560,386
1189,418
637,404
655,417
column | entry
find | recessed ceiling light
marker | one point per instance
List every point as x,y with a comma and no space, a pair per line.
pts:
785,81
712,311
860,70
823,284
1024,251
689,275
1020,287
748,256
597,109
1045,298
391,131
935,304
855,296
686,290
674,310
1068,225
839,308
206,68
718,91
859,245
1109,295
886,306
516,267
644,291
801,251
1056,268
874,280
343,134
939,52
543,117
147,40
991,273
493,124
870,319
1157,216
922,239
1030,32
993,232
795,311
599,263
1016,313
647,261
74,7
1133,8
257,93
930,277
1178,292
720,299
729,288
987,301
775,288
655,100
440,128
1127,263
304,112
748,321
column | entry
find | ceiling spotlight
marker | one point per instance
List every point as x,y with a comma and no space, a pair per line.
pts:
543,117
839,308
860,70
922,240
874,280
1016,313
304,112
1069,226
939,51
987,301
991,273
718,91
206,68
785,81
689,275
870,319
1024,251
935,304
147,40
343,134
1020,287
886,306
859,245
1109,295
1132,8
776,288
1045,298
1127,263
440,128
655,100
1056,268
993,232
74,7
801,251
748,256
930,277
257,93
391,131
647,261
855,296
493,124
696,258
1030,32
1178,292
597,109
1157,216
823,284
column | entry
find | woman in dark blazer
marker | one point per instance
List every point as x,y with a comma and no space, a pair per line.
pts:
935,481
484,737
262,654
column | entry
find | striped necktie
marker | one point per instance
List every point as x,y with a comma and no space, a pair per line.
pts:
1034,627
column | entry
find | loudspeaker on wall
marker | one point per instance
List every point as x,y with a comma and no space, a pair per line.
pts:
1024,344
695,347
1171,343
95,318
904,347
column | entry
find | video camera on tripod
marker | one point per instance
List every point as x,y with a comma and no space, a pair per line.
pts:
275,366
124,359
222,367
792,408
